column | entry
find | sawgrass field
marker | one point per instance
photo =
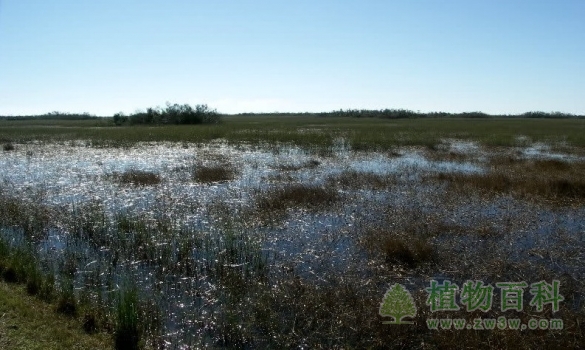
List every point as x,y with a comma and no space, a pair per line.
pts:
286,231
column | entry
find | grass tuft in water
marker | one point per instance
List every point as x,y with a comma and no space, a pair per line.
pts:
297,195
569,188
216,173
313,163
410,252
138,178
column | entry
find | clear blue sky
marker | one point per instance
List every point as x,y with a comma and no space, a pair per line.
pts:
101,57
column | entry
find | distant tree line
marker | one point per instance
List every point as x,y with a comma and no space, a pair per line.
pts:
405,113
53,116
171,114
202,114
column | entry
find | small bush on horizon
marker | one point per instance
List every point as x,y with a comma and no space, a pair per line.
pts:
172,114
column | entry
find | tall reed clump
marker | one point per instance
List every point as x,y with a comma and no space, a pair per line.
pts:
17,264
236,252
20,265
4,251
27,215
127,333
89,222
67,304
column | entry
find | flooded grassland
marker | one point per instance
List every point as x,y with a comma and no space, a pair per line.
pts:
252,245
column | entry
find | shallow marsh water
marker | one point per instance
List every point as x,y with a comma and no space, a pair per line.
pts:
212,221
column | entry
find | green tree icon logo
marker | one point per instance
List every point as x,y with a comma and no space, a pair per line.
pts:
397,303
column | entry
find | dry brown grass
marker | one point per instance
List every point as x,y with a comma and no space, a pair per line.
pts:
215,173
554,180
557,189
406,237
339,314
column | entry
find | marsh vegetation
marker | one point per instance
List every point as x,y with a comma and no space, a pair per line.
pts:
215,173
258,234
137,178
